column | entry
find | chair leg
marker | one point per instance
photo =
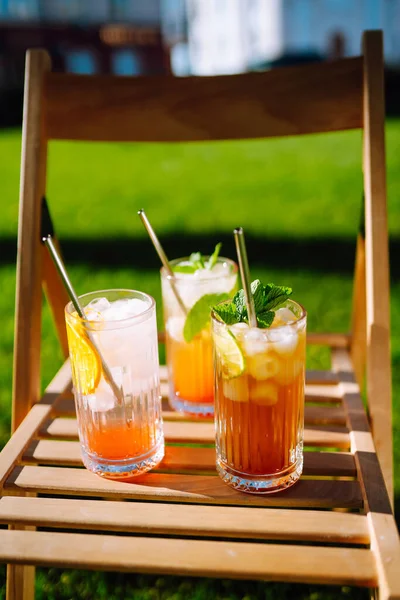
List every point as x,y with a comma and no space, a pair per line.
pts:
20,582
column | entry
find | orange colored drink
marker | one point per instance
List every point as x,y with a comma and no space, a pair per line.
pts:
192,368
259,401
118,442
189,350
120,432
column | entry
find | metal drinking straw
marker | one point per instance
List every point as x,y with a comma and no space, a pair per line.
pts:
245,274
48,242
163,257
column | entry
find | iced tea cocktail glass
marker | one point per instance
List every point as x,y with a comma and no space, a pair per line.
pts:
120,438
259,401
190,364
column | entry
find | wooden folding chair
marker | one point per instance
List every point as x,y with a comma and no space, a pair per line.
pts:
185,520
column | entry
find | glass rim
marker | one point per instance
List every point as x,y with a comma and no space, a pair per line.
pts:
220,259
134,318
296,320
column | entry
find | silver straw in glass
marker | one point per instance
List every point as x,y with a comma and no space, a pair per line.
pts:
245,274
163,258
48,242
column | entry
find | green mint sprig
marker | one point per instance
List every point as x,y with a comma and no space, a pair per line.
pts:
267,298
197,262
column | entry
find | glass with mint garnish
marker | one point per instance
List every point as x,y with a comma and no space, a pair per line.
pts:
259,389
199,282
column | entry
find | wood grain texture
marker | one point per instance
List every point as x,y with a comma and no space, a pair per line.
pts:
334,340
203,433
239,560
56,296
377,256
26,371
189,520
187,459
168,109
359,314
28,305
313,415
206,489
17,444
385,541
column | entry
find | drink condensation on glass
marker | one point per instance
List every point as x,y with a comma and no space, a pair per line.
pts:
119,439
190,364
259,401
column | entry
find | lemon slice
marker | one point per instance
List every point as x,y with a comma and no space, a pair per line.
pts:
230,353
85,360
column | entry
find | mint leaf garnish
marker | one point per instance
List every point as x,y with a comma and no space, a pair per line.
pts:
275,295
267,298
227,312
196,262
214,257
265,319
199,315
240,305
257,291
184,269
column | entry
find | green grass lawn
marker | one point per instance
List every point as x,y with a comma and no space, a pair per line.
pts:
299,201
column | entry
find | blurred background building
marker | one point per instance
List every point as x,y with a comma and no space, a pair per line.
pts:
183,37
229,36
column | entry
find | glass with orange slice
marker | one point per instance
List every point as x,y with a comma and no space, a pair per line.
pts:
120,437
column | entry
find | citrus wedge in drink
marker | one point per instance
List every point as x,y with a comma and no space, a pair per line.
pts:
84,355
230,353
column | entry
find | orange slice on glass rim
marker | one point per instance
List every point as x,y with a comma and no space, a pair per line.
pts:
85,357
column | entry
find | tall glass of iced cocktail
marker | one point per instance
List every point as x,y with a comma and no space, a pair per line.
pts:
259,392
121,437
199,282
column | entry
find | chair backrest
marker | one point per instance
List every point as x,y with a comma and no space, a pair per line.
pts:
333,96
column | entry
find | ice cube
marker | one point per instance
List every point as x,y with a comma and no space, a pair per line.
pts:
239,330
255,342
284,315
236,389
95,308
175,327
101,402
263,366
284,339
265,393
124,309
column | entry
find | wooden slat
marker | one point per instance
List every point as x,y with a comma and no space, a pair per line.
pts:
323,393
169,109
204,433
180,488
187,459
377,256
350,566
190,520
21,438
314,415
383,530
320,385
334,340
320,377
